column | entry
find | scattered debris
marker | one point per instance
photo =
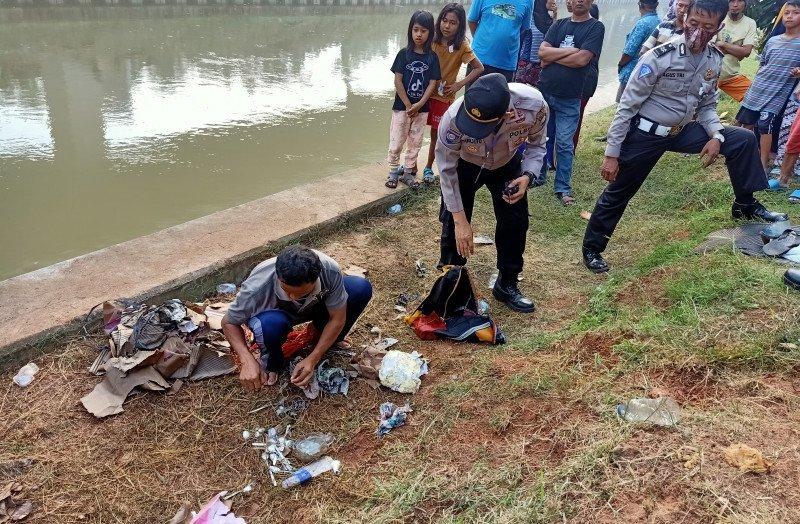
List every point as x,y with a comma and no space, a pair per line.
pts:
273,451
244,491
215,511
492,280
368,362
291,407
15,468
108,396
226,289
745,458
331,379
482,240
483,307
420,269
315,469
586,215
355,271
401,371
13,506
214,313
312,447
25,375
392,417
400,309
661,411
395,209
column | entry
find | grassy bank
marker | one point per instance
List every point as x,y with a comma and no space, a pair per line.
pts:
524,432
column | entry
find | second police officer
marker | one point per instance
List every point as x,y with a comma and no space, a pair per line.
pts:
670,104
480,139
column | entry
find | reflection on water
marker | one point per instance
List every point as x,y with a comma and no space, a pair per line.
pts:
115,128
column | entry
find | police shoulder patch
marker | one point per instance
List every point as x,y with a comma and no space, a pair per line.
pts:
451,137
645,70
664,49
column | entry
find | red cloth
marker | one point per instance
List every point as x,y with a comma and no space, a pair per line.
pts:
436,109
426,326
793,144
299,339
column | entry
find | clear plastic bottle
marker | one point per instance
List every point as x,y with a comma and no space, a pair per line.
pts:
315,469
311,447
661,411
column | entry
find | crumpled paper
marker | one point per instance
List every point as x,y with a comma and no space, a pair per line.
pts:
392,417
401,371
745,458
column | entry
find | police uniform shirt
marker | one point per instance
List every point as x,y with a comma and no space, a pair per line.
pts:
669,86
528,126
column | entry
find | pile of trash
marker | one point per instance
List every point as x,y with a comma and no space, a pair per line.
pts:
275,445
157,348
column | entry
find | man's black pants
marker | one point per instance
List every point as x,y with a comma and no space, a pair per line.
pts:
512,219
639,154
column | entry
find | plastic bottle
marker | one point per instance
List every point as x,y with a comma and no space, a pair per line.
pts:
311,447
315,469
661,411
25,375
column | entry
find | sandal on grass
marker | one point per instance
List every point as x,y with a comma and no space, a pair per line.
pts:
565,199
427,176
410,179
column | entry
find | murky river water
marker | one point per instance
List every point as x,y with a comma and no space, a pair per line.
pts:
114,124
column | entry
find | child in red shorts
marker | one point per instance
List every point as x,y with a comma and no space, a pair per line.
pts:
452,48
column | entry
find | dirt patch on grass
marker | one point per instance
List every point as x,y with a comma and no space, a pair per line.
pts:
646,291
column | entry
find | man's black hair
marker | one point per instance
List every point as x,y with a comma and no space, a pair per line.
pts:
793,3
425,19
297,265
458,10
652,4
712,7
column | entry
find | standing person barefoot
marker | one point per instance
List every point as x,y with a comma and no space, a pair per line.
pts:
452,49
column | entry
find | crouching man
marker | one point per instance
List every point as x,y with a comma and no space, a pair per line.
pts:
297,286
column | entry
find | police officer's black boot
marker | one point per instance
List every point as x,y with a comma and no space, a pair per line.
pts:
756,211
507,291
594,261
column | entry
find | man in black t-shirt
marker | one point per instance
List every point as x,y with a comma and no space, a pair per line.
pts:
566,53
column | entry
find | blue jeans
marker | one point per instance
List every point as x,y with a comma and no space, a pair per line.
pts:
271,327
564,113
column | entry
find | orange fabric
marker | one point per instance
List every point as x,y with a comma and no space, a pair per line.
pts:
735,86
793,143
449,65
299,339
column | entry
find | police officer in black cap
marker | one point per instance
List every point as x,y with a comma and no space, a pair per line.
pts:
494,136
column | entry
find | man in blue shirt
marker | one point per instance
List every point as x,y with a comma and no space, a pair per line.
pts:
496,26
633,42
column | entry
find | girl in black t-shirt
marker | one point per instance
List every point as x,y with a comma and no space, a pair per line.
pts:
416,73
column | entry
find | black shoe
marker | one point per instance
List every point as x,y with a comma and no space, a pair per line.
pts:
756,211
507,291
594,261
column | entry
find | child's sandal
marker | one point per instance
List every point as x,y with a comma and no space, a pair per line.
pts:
410,179
391,181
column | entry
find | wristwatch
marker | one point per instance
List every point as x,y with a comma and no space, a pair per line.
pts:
719,137
530,176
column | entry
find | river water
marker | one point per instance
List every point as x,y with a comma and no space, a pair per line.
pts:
115,122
